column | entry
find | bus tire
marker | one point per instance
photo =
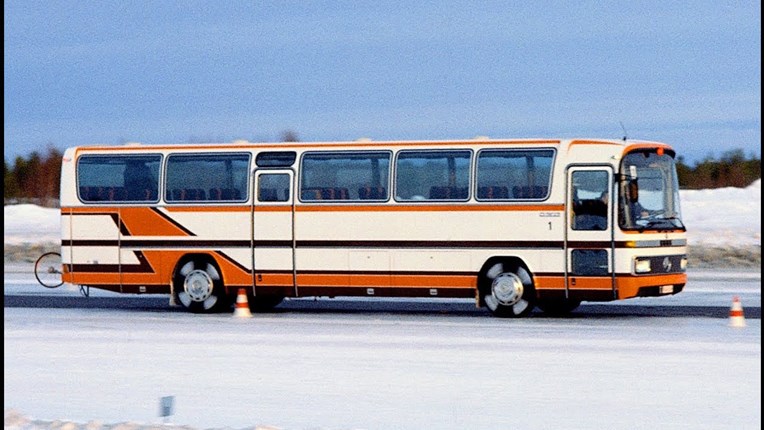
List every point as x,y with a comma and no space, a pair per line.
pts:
199,287
558,307
508,289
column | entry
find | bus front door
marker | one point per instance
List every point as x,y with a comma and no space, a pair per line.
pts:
273,257
589,243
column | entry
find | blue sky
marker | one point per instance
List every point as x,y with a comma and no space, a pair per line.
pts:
110,72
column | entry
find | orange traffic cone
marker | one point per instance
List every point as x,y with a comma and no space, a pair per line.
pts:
736,314
242,309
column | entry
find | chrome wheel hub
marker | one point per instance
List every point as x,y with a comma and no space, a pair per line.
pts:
198,285
507,288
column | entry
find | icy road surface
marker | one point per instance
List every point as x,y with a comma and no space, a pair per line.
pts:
309,367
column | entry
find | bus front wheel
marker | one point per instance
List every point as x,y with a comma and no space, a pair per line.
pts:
508,290
199,287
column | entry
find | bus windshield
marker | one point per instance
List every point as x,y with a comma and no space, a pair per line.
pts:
649,196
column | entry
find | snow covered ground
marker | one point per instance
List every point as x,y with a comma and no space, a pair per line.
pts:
449,369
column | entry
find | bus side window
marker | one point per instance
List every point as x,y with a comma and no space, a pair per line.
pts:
344,176
212,177
310,194
273,187
432,175
495,192
514,174
589,202
118,178
224,194
372,193
139,183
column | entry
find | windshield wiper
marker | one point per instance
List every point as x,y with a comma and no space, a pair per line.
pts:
662,221
679,221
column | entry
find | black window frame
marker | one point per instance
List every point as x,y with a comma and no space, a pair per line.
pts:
244,194
260,190
301,192
435,153
107,191
270,159
511,197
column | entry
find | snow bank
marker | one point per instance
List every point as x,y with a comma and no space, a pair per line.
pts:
726,217
31,224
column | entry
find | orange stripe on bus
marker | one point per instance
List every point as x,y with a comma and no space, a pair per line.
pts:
549,282
275,208
146,222
350,280
330,206
205,208
424,208
440,281
367,280
629,286
383,207
645,145
324,280
88,278
274,280
580,283
90,210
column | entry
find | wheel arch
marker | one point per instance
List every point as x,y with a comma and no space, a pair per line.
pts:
189,256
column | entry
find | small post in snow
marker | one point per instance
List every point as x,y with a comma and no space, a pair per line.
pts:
166,404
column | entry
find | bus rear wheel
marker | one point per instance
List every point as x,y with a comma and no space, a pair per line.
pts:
508,290
199,287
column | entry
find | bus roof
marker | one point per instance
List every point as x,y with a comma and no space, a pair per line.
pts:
368,143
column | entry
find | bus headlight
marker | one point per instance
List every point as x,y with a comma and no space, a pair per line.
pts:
683,263
642,265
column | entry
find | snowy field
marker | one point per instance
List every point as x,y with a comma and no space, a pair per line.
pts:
106,369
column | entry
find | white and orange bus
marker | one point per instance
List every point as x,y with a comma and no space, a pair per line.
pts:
512,223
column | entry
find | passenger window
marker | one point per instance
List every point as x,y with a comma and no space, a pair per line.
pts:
432,175
118,178
590,198
274,187
514,174
207,178
345,176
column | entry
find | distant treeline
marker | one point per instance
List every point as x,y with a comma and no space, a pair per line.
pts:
33,179
36,178
733,169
